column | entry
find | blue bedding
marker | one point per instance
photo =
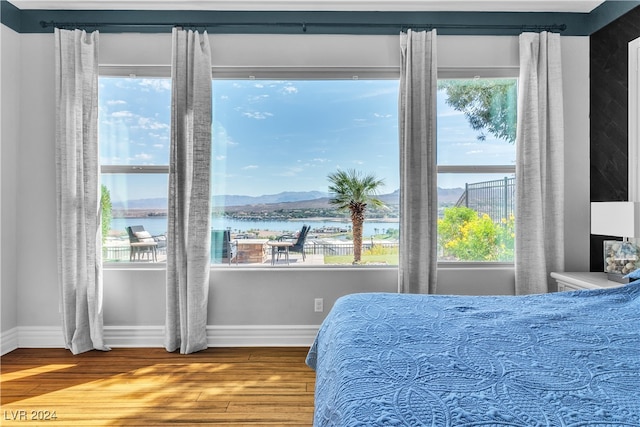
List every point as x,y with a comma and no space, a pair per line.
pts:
561,359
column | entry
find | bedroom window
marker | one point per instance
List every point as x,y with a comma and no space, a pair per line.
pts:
275,141
476,169
134,132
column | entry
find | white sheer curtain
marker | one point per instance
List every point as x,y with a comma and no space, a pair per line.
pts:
418,168
189,236
540,164
77,190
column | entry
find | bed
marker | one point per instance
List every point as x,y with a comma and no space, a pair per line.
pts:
558,359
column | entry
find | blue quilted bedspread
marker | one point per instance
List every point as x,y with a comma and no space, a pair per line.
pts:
562,359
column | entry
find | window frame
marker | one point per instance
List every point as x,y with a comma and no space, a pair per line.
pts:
313,73
449,73
144,71
297,73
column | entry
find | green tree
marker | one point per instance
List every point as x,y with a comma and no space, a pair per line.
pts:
105,211
488,104
352,191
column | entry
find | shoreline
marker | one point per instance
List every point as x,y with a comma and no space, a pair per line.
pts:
314,219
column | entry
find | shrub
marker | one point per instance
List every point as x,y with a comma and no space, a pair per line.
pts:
466,235
105,211
381,250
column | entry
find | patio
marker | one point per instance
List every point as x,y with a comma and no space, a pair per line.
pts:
251,253
120,254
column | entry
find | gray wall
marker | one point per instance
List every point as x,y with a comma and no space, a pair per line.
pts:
10,101
134,298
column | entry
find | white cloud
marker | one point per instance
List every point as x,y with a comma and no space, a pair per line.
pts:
120,114
258,98
143,156
221,157
116,102
149,123
381,116
258,115
159,146
249,167
158,85
154,135
222,137
292,171
258,85
290,89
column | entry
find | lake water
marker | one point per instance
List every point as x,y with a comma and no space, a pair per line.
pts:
158,225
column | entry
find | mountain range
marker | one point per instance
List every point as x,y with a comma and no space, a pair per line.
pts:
301,199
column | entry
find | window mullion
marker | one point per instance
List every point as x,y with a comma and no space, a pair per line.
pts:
134,168
476,168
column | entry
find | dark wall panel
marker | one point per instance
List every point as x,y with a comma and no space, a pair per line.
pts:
609,115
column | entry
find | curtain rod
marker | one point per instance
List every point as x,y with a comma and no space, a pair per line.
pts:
304,25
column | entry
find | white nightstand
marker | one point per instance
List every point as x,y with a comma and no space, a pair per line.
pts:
572,281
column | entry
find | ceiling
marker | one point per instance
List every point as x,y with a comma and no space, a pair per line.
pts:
357,17
573,6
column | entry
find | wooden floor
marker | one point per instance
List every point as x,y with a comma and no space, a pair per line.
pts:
150,387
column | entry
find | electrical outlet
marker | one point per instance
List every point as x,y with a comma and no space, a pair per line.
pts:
318,305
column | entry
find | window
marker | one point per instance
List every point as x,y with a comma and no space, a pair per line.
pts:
275,143
134,133
476,169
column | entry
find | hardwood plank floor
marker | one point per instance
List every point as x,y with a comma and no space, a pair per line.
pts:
151,387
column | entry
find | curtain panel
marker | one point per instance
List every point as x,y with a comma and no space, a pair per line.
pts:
539,164
78,213
189,237
417,269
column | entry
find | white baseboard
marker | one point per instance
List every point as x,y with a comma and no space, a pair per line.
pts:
261,336
8,341
40,337
134,336
153,336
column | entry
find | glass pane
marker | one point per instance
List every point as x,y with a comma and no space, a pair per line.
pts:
477,121
138,200
476,214
134,121
274,145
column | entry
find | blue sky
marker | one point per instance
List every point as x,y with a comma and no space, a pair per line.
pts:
273,136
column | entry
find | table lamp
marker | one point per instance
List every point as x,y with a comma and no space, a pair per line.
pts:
619,219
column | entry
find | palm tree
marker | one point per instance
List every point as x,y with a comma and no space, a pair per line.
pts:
352,191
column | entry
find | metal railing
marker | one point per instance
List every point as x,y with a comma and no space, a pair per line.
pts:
316,247
311,247
495,198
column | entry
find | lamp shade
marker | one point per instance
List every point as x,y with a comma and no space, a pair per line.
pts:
620,219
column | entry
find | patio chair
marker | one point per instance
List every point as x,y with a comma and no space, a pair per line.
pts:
143,243
298,245
222,247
